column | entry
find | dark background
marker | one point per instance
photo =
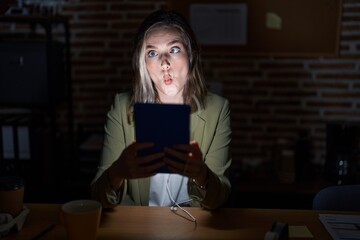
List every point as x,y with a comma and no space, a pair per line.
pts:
299,109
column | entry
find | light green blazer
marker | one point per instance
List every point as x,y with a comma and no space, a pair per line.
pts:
210,127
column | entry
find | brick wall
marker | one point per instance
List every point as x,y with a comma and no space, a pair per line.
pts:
102,34
272,97
275,97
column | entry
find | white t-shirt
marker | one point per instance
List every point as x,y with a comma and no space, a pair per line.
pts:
166,188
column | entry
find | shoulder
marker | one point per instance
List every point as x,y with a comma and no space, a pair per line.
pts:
214,101
121,101
215,105
120,105
123,97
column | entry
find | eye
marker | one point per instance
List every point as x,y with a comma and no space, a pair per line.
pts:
152,53
175,50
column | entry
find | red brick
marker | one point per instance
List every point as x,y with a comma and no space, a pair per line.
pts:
349,65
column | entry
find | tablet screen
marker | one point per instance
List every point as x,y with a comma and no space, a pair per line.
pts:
163,124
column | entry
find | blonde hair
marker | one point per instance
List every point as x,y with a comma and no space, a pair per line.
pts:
143,87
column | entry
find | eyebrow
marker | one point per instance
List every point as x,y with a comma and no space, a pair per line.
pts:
168,44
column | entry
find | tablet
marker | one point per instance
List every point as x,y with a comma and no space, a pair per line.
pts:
163,124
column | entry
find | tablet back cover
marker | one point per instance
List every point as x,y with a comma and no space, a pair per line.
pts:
163,124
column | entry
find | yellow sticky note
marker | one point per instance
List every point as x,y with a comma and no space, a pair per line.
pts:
273,21
300,232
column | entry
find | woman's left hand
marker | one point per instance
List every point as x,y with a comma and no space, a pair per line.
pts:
189,161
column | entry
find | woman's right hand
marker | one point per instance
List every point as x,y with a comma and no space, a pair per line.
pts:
130,165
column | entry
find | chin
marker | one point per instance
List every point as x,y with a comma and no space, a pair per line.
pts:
171,94
171,91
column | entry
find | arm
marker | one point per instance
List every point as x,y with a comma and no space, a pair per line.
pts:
114,143
119,160
216,151
206,160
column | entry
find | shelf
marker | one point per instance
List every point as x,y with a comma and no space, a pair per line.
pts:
58,144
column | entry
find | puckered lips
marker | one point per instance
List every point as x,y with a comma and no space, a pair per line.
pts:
167,79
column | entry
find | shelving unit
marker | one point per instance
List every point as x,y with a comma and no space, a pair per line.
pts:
45,165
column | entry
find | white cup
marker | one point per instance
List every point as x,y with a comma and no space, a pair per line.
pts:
82,219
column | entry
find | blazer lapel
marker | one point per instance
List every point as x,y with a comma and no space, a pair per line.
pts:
197,127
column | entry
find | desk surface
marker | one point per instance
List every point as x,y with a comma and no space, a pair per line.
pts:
126,222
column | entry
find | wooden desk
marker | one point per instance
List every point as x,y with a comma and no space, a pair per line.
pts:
126,222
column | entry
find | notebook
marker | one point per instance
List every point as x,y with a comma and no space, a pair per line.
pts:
163,124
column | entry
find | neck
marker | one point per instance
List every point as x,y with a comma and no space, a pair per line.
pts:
178,99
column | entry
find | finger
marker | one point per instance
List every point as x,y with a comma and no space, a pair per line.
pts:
196,150
151,169
145,166
178,171
135,146
192,148
149,158
175,170
176,164
183,147
143,145
145,170
187,147
178,154
183,168
185,172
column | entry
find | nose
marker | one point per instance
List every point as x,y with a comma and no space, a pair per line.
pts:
165,64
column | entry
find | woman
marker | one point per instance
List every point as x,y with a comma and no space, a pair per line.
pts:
167,68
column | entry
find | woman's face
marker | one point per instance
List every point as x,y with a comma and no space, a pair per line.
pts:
167,62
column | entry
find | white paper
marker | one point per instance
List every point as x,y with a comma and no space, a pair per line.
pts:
273,21
8,142
24,142
299,232
219,24
341,226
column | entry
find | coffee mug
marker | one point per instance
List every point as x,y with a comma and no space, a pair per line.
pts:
11,195
81,218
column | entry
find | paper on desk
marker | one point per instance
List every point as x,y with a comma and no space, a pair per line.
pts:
341,226
300,232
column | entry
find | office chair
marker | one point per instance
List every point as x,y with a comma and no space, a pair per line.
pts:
340,197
